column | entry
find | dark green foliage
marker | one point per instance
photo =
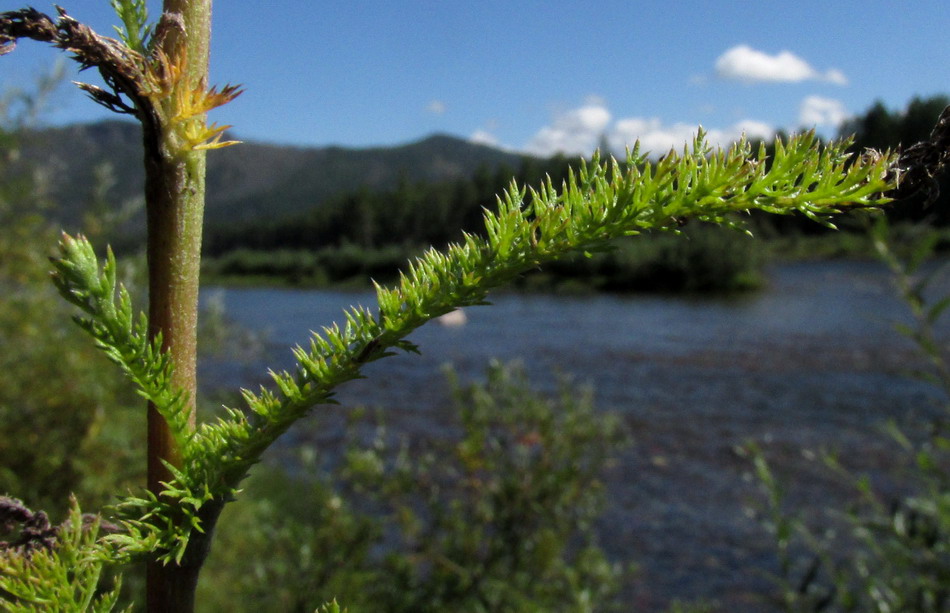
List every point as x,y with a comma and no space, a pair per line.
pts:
411,215
704,259
292,180
62,414
319,268
499,519
68,434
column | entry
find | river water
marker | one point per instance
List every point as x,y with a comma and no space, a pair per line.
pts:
810,362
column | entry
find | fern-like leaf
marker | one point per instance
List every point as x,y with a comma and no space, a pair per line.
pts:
595,205
600,202
121,335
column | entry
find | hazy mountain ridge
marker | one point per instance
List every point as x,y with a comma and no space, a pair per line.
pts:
252,180
256,182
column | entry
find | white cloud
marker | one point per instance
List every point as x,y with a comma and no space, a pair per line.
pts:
573,132
484,137
743,63
579,131
657,138
818,111
436,107
751,128
652,134
835,76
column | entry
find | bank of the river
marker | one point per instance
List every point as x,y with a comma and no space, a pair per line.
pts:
708,260
809,362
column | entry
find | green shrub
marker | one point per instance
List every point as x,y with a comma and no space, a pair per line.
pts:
63,414
499,519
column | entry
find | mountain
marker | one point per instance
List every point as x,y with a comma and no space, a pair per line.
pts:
249,181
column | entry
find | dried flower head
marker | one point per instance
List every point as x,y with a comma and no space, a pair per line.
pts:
35,530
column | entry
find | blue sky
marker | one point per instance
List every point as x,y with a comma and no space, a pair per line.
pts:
548,76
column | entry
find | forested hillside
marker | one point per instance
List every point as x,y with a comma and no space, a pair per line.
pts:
327,215
248,183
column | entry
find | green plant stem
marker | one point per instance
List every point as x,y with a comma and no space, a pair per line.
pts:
175,201
174,193
195,16
175,197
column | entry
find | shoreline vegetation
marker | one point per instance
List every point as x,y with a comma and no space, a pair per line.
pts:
711,260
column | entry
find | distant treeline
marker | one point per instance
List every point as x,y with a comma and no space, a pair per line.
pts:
366,233
880,128
413,214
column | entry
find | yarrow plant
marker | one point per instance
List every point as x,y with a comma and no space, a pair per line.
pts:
157,73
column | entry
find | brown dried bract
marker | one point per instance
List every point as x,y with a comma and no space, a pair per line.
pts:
119,66
25,23
35,530
919,165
